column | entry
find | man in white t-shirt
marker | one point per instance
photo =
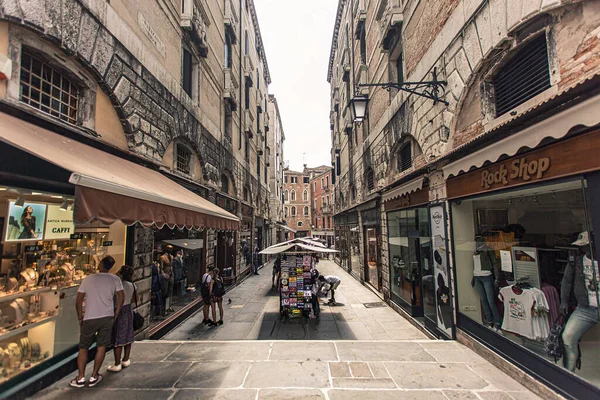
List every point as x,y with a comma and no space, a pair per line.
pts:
333,282
99,291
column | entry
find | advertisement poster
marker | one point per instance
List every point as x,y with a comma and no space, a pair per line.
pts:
441,274
59,223
26,222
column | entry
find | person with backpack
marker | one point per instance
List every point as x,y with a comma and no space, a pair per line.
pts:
206,297
217,290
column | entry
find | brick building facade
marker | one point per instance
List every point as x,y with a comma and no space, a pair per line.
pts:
296,195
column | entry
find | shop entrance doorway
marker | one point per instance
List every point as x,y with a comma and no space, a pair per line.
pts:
372,266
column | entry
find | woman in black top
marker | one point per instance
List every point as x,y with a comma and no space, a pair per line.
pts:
28,224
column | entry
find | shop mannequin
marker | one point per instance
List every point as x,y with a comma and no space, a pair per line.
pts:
166,266
485,280
179,272
581,281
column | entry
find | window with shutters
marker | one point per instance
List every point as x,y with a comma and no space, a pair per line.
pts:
524,76
405,157
183,160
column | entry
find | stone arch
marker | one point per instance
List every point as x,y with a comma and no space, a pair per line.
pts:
416,150
199,165
232,185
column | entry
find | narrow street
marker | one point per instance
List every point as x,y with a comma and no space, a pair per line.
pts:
352,352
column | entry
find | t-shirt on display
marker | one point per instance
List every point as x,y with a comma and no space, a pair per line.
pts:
100,290
589,273
518,311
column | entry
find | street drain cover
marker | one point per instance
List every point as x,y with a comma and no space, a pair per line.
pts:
375,305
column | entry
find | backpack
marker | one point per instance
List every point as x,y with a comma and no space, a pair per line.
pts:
205,288
218,288
554,346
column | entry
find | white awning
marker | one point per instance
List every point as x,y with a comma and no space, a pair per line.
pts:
296,245
287,228
586,113
111,188
400,191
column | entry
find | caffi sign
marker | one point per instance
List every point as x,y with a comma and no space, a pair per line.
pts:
515,170
59,223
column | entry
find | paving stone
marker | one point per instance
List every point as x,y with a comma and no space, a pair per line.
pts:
209,351
288,374
151,351
378,370
146,375
460,395
290,394
339,370
360,370
457,356
214,374
341,394
490,395
363,383
309,351
382,351
496,377
434,376
215,394
68,393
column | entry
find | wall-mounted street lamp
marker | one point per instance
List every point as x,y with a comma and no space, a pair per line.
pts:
434,90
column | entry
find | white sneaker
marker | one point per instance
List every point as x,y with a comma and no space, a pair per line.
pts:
126,364
115,368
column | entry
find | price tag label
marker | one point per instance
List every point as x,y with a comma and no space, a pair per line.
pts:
107,243
33,248
76,236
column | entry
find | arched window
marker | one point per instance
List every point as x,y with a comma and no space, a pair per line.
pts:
285,212
305,195
224,184
405,157
286,196
183,159
299,223
293,195
293,211
306,211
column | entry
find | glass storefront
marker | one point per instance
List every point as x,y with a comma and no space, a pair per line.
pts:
372,267
409,241
44,256
354,252
524,262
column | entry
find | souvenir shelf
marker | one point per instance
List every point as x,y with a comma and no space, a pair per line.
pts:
296,286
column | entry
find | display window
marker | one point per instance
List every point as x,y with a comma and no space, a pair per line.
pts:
44,257
354,252
524,263
409,243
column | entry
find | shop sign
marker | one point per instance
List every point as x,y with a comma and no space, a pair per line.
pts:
420,196
441,274
59,223
521,169
561,159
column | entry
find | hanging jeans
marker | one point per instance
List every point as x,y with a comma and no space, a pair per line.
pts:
582,319
487,293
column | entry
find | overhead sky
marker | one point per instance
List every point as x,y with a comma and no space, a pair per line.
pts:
297,38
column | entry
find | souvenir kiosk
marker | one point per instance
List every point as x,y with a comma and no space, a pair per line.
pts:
298,274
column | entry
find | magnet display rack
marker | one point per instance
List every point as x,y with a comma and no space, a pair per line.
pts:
295,288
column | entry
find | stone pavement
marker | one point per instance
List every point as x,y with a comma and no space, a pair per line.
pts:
227,370
254,314
353,352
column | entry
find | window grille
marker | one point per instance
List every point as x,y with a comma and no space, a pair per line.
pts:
183,160
405,157
524,76
370,178
46,89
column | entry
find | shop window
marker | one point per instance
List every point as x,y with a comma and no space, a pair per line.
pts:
293,211
305,195
524,76
189,73
47,90
405,157
299,224
516,255
183,162
306,211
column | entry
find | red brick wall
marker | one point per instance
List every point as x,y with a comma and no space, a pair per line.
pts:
299,203
318,193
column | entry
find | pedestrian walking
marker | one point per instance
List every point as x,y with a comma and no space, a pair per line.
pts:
333,282
276,272
99,292
123,330
257,260
207,298
217,290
